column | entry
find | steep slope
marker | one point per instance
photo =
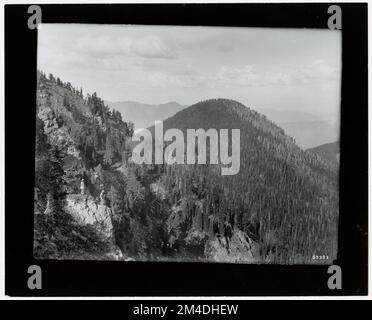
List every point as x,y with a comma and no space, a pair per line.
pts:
77,138
144,115
282,196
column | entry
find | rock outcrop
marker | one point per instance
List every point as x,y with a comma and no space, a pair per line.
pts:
86,210
241,249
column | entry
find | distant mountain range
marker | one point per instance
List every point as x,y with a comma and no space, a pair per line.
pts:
279,116
330,151
144,115
309,134
307,129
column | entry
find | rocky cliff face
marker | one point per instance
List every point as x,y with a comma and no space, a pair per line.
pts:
56,134
239,249
77,137
87,211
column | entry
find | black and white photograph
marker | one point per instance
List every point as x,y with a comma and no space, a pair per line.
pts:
185,151
187,144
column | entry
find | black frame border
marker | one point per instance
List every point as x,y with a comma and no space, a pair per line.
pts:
97,278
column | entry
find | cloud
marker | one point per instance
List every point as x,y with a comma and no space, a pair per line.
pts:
225,48
246,76
152,47
317,71
176,75
165,79
108,46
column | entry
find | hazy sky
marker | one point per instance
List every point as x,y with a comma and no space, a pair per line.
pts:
291,69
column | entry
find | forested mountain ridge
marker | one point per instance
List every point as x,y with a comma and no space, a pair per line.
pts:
256,132
308,130
280,208
289,194
97,131
77,137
